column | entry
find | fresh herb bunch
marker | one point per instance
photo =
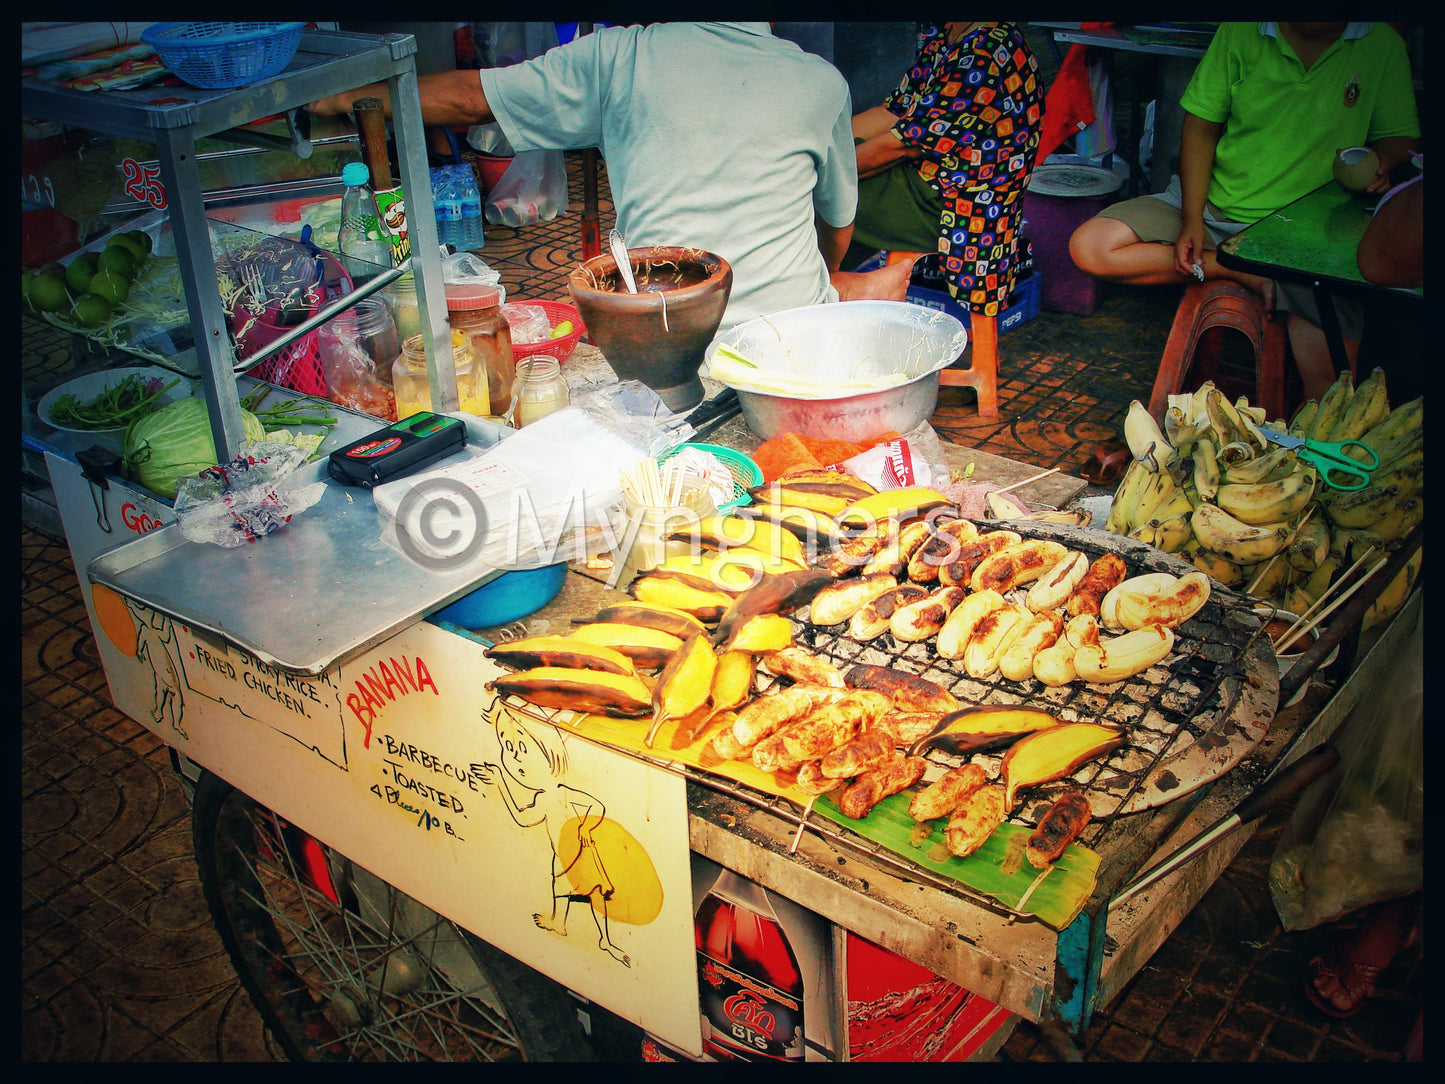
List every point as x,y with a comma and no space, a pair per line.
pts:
114,408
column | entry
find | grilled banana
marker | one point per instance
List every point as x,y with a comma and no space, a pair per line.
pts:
964,620
921,620
1040,631
959,571
829,726
765,715
1016,565
975,818
891,504
732,681
1143,601
1123,656
1054,753
1105,573
1053,588
706,605
874,618
684,684
909,692
663,618
893,556
759,633
939,798
940,548
840,601
800,665
990,637
870,788
621,696
870,748
647,648
1054,665
533,651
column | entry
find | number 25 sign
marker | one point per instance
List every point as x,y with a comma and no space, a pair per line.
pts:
143,183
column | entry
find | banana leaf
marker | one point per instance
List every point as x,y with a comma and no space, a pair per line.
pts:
1057,900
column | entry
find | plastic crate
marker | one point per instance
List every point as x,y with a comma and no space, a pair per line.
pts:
1023,304
218,56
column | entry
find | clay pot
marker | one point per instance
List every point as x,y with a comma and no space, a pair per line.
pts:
1355,167
659,334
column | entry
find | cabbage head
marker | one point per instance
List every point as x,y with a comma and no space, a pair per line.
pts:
175,442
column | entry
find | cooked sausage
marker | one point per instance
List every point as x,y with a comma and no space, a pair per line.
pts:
939,798
1106,573
1060,826
872,787
811,779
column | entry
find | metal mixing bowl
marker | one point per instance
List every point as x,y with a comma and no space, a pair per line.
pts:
826,347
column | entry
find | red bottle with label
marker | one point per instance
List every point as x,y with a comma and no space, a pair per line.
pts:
750,984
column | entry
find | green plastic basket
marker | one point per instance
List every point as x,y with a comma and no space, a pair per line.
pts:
746,474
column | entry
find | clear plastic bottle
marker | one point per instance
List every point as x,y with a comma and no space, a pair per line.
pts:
540,390
472,233
413,391
477,310
361,239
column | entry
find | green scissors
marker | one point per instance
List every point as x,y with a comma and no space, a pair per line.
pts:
1337,469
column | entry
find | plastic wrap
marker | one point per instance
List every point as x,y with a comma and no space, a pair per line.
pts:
253,495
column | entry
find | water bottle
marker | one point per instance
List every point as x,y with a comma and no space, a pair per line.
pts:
448,209
472,234
361,239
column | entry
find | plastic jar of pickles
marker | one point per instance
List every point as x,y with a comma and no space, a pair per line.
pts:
413,391
477,311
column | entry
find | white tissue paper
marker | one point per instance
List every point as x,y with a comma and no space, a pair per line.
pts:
542,495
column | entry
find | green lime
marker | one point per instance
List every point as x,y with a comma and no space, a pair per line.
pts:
48,292
91,311
118,258
137,250
141,238
107,284
81,270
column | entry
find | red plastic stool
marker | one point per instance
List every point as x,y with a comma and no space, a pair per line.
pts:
1221,303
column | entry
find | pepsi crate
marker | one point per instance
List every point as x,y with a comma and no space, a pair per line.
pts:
926,288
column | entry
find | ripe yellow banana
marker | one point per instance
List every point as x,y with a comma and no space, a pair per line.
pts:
1401,519
1401,420
891,504
1403,451
1393,597
1332,406
1268,579
1369,406
1220,569
1318,581
1256,468
1206,469
1311,544
1179,429
1304,418
1161,486
1123,656
1171,535
1235,540
1268,502
1360,508
1147,442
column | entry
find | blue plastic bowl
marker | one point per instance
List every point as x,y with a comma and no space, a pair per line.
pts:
510,596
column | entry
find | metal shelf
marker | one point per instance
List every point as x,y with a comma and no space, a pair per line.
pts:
174,118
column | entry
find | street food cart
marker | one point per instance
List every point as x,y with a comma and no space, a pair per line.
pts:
369,810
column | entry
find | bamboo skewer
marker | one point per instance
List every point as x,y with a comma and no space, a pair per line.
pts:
1288,635
1290,638
1026,481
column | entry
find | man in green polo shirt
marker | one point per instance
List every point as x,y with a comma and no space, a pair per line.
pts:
1266,109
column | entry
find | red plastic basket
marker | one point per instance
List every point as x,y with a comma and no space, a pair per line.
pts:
298,366
557,311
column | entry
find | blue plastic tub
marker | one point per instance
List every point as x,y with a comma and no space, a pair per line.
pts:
510,596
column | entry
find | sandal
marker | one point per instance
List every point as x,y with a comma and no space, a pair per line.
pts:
1355,979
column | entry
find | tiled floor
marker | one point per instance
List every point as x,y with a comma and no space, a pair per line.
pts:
119,962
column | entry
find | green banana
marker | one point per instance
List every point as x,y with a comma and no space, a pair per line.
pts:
1237,541
1206,469
1126,498
1368,408
1332,405
1268,502
1304,418
1359,508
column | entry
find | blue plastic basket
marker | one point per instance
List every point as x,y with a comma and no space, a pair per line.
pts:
217,56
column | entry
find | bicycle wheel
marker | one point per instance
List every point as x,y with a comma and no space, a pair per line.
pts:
343,966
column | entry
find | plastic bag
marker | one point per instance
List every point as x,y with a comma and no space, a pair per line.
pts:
913,459
1357,836
527,323
534,189
635,412
468,269
253,495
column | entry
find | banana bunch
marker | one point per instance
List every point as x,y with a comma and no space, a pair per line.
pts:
1204,483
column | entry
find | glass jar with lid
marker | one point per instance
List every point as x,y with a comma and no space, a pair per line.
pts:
405,309
477,311
377,333
540,390
413,391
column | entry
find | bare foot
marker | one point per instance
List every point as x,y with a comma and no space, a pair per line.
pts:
888,283
550,925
